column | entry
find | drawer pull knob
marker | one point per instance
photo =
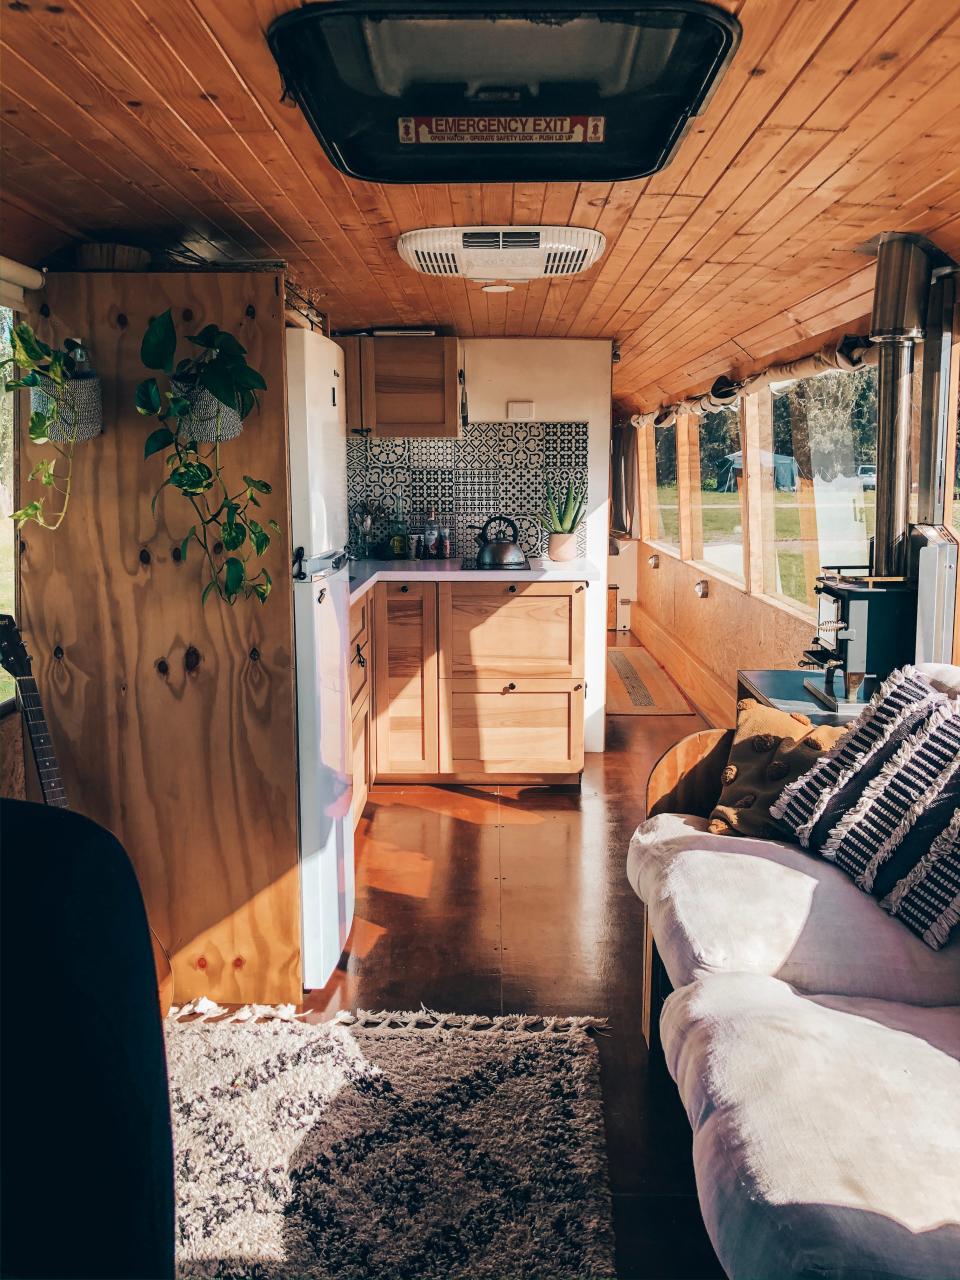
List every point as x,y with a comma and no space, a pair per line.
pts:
404,588
511,686
513,588
361,660
576,687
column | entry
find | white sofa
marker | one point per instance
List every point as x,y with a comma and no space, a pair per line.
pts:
815,1042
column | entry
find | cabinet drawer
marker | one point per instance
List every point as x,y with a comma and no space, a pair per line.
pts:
359,672
362,767
360,621
532,630
405,681
501,727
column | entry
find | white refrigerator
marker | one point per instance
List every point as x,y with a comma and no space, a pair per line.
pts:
321,595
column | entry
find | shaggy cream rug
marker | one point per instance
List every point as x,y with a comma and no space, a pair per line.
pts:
395,1146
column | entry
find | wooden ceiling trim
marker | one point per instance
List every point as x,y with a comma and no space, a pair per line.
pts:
36,236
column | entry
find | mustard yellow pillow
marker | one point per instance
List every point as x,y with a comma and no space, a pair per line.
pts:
771,748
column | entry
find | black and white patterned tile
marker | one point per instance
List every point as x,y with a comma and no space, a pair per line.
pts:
388,452
531,535
524,488
389,486
566,443
431,488
356,453
479,447
433,453
479,491
522,444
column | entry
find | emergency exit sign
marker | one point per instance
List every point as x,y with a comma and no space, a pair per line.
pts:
417,130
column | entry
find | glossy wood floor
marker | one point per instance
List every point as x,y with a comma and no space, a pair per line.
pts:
512,899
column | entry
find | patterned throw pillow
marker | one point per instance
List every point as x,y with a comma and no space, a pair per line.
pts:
928,899
770,748
812,806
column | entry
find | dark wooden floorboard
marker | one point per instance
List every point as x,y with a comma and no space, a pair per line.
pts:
515,900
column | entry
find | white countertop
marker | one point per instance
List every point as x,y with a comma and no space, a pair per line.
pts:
364,574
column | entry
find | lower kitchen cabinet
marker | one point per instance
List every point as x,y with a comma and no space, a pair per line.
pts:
362,758
493,728
489,687
406,691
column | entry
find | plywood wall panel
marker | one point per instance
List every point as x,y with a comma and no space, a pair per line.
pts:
193,767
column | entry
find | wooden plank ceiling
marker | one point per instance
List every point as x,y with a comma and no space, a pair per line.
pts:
838,119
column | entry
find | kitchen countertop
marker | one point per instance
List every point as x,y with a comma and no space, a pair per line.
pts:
364,574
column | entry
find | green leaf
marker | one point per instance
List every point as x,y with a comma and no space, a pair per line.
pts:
249,379
186,542
39,428
232,536
246,401
30,379
259,537
159,345
28,350
218,380
43,471
569,506
55,369
261,486
207,337
227,344
147,398
191,477
211,586
32,511
179,406
162,438
272,524
234,574
263,588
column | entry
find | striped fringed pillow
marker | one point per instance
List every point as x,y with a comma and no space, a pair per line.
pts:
812,806
928,899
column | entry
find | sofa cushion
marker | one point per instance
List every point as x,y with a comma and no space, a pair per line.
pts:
826,1130
731,904
810,807
770,749
928,899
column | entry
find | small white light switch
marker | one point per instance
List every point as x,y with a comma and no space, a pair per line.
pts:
519,410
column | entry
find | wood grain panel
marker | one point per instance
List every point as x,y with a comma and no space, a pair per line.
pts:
508,630
834,122
494,729
405,678
174,722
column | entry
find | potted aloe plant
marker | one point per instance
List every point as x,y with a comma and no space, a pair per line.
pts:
562,519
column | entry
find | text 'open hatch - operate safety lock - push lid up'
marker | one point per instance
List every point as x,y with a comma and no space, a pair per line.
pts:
508,91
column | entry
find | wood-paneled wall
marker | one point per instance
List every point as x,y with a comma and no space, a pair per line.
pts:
174,722
702,642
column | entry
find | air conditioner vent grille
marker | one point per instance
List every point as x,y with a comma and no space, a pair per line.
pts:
501,253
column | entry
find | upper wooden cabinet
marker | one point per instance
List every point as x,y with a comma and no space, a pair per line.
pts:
399,386
512,629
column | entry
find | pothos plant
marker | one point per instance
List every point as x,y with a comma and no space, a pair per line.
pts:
225,529
37,361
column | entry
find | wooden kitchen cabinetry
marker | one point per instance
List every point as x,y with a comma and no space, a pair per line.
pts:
405,679
477,682
399,386
361,702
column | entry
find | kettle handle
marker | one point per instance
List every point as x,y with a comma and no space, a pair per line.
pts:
499,520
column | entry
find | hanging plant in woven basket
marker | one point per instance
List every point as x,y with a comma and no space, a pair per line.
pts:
65,409
207,397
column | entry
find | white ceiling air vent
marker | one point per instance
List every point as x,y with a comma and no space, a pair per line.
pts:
501,253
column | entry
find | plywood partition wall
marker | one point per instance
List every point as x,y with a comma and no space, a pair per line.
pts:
174,721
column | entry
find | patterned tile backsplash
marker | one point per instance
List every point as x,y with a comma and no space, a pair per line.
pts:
496,468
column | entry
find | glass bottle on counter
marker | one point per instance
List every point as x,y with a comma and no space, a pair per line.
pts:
431,535
397,534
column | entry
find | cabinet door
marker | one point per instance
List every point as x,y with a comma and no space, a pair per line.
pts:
413,384
352,383
496,727
362,759
405,678
512,629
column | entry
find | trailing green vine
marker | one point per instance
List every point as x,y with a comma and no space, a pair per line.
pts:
37,361
225,529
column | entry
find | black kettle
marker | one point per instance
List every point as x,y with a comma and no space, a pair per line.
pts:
500,548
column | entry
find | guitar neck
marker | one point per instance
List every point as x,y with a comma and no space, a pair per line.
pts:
41,743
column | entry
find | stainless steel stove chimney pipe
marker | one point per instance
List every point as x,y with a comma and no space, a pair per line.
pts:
899,311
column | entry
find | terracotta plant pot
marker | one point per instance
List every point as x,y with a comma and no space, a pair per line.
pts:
562,546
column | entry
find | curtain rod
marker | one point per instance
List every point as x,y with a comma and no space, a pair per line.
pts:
853,351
